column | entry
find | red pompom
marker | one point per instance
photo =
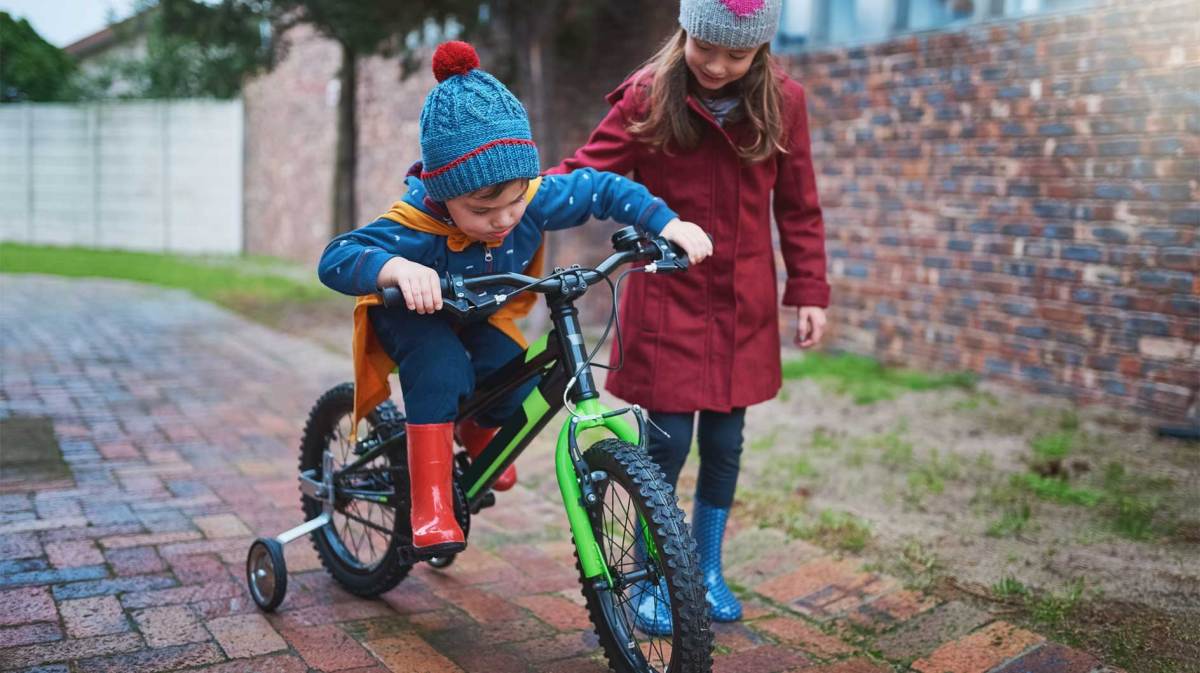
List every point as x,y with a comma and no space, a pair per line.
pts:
454,58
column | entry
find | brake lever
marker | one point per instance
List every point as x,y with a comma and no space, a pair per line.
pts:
669,261
459,303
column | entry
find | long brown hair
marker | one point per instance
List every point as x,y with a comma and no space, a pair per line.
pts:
669,123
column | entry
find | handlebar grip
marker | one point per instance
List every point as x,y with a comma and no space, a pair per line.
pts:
392,297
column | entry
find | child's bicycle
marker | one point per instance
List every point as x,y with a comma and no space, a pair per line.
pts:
628,531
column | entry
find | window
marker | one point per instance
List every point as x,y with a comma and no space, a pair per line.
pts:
825,22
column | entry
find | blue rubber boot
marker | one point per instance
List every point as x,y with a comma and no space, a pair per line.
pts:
651,602
708,527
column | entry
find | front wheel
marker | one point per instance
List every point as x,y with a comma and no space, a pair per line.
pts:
652,558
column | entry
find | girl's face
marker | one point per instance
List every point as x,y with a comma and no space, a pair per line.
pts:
714,66
489,217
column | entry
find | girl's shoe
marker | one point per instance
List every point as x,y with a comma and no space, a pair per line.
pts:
708,527
431,477
475,439
652,608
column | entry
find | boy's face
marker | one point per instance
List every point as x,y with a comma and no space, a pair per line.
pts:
714,66
489,218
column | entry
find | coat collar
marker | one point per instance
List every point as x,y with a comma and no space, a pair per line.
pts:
638,85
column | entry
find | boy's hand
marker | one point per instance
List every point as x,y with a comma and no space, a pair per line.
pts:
810,326
420,284
690,237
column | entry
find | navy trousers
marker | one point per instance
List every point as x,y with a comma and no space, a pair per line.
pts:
440,362
720,438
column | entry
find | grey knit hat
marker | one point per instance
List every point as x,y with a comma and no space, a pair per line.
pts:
734,24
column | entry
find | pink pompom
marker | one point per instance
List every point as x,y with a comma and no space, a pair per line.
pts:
454,58
743,8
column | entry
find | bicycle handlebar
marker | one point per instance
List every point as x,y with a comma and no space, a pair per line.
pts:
460,296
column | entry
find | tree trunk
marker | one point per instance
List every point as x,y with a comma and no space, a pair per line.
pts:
345,217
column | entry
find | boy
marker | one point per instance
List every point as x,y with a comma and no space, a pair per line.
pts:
474,205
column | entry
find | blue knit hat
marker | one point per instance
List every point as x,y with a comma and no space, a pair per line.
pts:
734,24
474,132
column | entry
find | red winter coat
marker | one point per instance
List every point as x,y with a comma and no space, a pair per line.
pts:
708,339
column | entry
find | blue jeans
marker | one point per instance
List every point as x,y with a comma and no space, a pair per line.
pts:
440,361
720,439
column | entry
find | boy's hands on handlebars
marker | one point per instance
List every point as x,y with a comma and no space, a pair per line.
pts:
420,285
690,237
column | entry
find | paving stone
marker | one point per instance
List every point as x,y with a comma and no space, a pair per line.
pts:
97,616
27,605
203,569
112,586
979,652
19,545
328,647
186,594
53,576
560,646
765,659
924,633
134,561
556,611
735,636
1052,658
221,525
411,654
29,634
891,609
849,666
489,661
147,539
245,635
32,655
796,633
170,625
154,660
73,553
275,663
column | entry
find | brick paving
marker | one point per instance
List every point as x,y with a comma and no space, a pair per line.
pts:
179,422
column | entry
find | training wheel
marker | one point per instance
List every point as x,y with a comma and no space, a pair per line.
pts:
440,562
266,573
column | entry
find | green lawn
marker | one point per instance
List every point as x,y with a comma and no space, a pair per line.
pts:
237,282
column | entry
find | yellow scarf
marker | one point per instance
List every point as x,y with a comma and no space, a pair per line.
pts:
372,364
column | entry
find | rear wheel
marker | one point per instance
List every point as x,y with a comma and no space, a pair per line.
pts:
645,543
361,546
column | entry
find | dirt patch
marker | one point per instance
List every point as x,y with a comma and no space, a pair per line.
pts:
955,473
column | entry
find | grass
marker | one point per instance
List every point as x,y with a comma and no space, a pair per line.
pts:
1009,587
249,285
1011,522
837,530
828,528
917,567
867,380
1057,490
1053,446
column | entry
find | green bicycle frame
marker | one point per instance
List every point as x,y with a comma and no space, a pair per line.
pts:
552,357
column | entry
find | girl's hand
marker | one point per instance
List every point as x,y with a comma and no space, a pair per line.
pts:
420,284
810,326
690,237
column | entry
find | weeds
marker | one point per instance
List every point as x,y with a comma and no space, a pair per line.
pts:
838,530
1009,587
1011,522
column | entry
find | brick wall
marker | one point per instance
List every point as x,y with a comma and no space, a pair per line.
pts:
1021,199
291,117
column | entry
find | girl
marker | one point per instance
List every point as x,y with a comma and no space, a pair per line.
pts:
713,126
